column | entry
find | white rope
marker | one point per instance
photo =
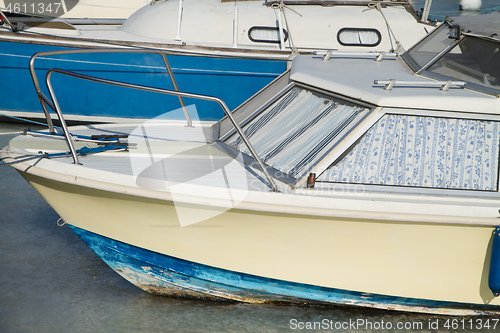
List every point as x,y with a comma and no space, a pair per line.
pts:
281,6
377,6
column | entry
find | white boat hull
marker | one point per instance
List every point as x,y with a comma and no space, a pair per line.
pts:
439,268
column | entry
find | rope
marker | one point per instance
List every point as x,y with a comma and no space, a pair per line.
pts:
76,137
281,6
377,6
84,151
2,163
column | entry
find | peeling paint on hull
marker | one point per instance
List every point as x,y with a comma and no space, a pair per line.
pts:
165,275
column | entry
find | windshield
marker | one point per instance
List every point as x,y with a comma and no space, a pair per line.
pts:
294,132
473,60
431,46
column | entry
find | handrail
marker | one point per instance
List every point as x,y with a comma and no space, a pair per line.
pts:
156,90
443,85
378,56
45,102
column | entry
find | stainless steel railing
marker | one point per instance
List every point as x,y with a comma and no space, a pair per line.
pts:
46,102
54,105
151,89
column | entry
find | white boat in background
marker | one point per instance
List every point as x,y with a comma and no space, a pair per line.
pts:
229,49
384,25
470,4
354,179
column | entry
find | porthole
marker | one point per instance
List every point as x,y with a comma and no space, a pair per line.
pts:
359,37
266,35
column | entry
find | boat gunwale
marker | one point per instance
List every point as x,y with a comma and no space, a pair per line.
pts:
264,206
168,48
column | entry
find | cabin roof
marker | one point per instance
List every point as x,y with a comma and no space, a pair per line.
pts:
484,24
355,78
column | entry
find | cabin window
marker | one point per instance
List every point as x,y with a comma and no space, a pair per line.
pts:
431,46
294,132
359,37
423,151
266,35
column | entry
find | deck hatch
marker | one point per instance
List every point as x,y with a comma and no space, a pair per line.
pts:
421,151
294,133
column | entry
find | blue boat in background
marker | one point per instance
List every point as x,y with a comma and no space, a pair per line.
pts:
225,49
232,78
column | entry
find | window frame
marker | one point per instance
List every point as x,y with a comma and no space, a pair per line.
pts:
399,189
301,178
359,29
423,69
285,37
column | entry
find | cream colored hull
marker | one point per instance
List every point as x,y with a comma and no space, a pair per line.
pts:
438,262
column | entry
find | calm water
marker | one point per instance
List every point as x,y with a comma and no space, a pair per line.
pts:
50,281
442,8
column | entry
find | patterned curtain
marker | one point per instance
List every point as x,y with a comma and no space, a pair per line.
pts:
423,152
294,132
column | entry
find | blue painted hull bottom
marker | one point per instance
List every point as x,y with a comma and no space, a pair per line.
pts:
166,275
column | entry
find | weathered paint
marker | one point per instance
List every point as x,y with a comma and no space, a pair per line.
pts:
166,275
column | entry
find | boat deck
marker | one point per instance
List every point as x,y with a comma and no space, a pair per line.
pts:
155,151
172,162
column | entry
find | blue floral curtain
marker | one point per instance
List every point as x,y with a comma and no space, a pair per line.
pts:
423,152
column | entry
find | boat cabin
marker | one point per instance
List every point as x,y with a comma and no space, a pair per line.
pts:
428,120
